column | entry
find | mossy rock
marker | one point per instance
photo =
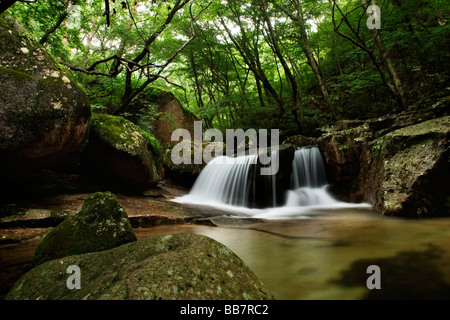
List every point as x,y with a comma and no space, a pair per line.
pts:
411,170
99,224
184,173
172,267
123,152
44,114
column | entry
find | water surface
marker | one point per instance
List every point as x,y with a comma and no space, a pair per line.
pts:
326,256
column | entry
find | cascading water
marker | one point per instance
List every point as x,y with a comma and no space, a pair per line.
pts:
224,180
308,169
309,180
231,183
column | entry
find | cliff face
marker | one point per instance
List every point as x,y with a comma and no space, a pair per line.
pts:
399,164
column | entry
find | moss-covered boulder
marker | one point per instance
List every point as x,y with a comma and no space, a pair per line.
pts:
122,152
44,115
410,173
160,113
99,224
171,267
397,163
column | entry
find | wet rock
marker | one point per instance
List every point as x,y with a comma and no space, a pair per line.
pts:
33,218
262,190
185,174
340,151
398,164
123,153
409,175
99,224
301,141
44,115
145,221
171,267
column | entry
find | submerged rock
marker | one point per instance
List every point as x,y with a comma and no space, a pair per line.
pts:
44,115
122,152
99,224
171,267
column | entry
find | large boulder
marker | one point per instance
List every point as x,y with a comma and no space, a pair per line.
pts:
410,173
123,153
171,267
44,115
99,224
397,163
341,152
160,113
172,116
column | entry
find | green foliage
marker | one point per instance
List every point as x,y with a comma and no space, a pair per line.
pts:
241,71
377,147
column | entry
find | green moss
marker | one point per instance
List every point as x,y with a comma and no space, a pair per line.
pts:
99,224
179,266
155,147
20,76
125,135
348,132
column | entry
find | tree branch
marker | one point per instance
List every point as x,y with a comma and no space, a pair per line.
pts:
53,29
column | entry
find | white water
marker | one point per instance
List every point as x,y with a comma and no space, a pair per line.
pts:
308,169
224,180
224,184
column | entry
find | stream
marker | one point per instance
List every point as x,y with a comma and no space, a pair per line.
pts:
322,256
326,257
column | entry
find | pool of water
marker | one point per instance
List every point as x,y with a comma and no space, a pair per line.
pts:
326,256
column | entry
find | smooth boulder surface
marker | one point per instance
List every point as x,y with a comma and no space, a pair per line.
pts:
123,153
99,224
172,267
44,115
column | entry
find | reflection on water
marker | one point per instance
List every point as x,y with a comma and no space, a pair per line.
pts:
326,257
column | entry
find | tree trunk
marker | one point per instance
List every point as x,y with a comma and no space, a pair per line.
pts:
273,36
388,62
392,70
312,62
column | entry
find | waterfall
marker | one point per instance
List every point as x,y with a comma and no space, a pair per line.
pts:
308,169
234,184
309,180
224,180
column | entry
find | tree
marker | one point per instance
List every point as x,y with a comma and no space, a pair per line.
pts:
394,85
296,15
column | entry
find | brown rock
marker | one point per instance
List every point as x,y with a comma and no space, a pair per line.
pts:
44,115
